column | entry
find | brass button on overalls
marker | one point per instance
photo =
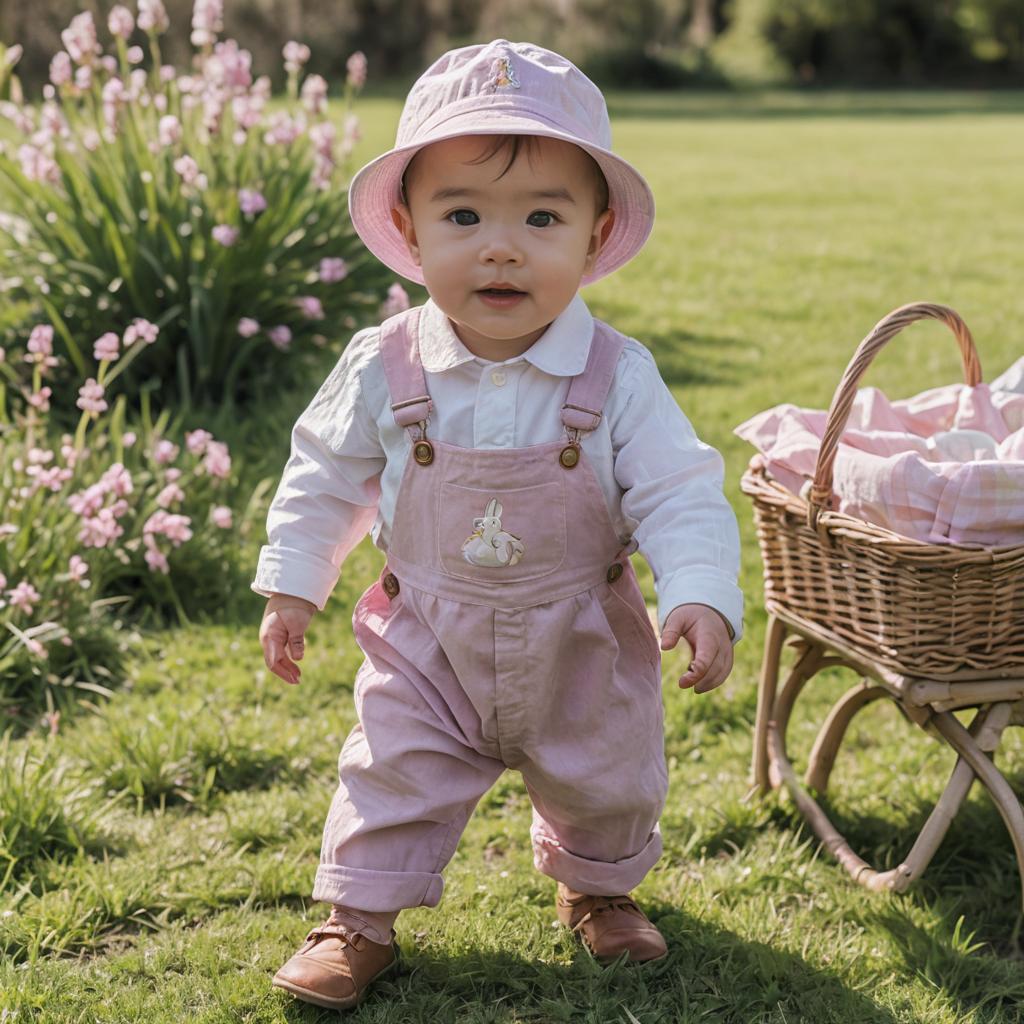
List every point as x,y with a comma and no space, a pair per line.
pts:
614,572
390,585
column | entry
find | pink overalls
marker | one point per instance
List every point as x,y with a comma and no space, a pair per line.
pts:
507,631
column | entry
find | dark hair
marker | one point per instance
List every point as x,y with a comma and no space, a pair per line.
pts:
513,145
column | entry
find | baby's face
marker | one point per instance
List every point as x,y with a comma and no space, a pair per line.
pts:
502,254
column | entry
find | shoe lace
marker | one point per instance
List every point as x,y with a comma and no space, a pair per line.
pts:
605,904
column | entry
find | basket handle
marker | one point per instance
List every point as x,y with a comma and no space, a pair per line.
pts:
820,494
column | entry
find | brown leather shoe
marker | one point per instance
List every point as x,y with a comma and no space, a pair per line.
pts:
334,968
609,926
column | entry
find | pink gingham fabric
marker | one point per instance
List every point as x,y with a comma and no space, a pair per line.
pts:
945,466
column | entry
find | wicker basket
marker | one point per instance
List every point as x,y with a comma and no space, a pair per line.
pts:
922,610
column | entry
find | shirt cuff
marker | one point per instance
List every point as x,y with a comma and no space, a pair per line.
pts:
298,573
702,586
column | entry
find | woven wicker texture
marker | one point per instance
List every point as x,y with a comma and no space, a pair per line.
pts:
924,610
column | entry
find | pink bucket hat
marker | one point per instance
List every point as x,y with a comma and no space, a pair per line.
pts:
501,88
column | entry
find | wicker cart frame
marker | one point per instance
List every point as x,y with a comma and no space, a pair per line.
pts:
933,628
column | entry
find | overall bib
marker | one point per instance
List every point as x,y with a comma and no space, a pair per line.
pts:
507,631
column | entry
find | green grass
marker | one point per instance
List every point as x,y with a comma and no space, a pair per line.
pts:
162,846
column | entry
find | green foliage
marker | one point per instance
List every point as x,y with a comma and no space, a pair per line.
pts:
45,815
192,202
124,511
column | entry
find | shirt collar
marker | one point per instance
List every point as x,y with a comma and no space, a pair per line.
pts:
561,350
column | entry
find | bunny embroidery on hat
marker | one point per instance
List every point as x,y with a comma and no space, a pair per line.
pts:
504,74
488,544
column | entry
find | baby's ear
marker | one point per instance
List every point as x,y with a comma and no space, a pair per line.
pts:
602,229
402,219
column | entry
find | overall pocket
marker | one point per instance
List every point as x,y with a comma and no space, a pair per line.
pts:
507,534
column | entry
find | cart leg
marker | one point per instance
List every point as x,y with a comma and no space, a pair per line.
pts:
973,753
773,640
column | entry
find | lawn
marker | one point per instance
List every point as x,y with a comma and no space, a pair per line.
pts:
787,226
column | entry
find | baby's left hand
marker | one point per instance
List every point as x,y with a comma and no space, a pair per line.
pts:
705,630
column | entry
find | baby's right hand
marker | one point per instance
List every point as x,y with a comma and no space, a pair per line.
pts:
282,633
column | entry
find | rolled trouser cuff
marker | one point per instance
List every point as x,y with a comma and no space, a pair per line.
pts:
364,889
594,877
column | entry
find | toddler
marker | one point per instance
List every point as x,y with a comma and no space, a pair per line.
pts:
509,453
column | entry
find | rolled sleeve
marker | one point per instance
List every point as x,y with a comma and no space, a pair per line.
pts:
672,491
329,492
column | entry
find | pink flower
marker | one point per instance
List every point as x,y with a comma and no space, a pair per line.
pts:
356,67
88,502
171,474
396,302
152,16
7,530
40,341
120,21
247,110
188,169
217,461
38,165
322,136
157,560
295,55
225,234
134,54
61,68
333,269
169,495
169,131
251,202
24,597
99,530
117,479
207,21
170,525
40,399
229,67
283,130
140,330
79,39
221,516
35,647
165,451
78,569
114,96
90,397
247,327
105,347
3,581
314,94
311,307
128,438
281,336
197,440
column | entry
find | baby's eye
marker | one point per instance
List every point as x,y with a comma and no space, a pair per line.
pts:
541,219
464,218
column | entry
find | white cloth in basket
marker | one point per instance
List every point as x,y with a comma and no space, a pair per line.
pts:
946,466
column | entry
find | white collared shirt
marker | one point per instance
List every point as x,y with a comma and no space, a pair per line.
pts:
663,486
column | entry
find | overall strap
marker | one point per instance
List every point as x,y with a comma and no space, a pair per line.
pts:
403,370
589,390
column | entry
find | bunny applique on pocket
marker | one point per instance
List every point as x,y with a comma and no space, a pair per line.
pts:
489,545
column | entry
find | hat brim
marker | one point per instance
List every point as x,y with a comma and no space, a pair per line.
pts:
376,190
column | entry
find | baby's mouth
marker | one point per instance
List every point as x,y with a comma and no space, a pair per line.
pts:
500,291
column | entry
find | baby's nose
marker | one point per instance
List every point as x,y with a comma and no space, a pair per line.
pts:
500,248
